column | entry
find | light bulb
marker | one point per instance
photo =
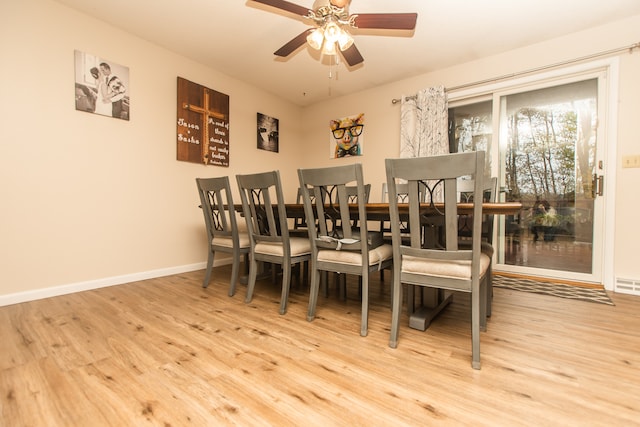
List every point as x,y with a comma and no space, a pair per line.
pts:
344,40
315,38
329,48
332,32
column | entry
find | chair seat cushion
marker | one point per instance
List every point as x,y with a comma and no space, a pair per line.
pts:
376,255
440,268
227,242
299,246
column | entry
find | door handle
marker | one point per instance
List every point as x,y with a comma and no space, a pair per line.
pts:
599,184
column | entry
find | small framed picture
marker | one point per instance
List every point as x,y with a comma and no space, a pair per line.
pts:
346,136
268,129
102,86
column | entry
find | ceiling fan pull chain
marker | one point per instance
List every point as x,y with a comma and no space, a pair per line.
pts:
331,66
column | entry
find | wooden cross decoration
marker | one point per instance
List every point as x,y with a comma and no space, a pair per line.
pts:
203,124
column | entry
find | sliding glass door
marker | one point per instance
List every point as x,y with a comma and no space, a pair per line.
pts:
545,154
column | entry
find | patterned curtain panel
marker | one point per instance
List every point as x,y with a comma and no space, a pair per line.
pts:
423,125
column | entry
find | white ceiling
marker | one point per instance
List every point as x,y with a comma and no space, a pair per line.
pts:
238,37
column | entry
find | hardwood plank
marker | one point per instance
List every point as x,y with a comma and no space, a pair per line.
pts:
168,352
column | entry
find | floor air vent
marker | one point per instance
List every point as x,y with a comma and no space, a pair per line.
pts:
627,286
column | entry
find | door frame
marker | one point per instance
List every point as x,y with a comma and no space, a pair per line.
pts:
607,131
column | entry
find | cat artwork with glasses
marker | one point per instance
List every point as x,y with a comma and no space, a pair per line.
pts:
347,134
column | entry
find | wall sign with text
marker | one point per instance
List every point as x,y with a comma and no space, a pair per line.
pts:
202,124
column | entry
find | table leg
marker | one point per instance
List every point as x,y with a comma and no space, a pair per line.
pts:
433,302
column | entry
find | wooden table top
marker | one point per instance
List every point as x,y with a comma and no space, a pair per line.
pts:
381,210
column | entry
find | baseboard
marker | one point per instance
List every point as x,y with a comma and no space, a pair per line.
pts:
54,291
550,280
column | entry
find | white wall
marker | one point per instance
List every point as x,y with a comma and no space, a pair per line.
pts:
87,197
90,201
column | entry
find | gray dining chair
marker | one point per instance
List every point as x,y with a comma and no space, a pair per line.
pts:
420,263
352,197
265,213
465,224
221,224
402,195
341,242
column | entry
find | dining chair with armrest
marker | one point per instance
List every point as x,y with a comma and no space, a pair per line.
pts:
341,242
265,213
419,263
220,220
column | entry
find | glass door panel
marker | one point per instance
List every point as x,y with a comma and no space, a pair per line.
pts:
545,157
549,162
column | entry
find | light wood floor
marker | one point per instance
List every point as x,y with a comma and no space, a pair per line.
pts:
165,352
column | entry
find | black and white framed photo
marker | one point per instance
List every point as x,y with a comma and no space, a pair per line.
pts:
268,129
102,86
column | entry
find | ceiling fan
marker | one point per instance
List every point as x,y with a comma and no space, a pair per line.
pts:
332,23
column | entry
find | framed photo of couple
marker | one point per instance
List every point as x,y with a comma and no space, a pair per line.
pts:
101,86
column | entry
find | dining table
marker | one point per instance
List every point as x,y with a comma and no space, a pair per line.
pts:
431,301
380,211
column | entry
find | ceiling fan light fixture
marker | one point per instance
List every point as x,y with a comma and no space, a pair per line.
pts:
315,38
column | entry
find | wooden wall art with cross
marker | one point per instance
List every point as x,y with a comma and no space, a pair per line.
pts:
202,124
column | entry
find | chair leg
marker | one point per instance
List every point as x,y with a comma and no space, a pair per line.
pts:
411,297
286,284
305,272
324,279
483,304
207,275
253,272
396,307
235,267
246,264
313,292
489,290
475,330
364,323
340,279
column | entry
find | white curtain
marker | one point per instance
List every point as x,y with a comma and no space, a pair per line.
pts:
423,123
423,128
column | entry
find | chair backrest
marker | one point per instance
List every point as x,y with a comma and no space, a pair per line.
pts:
402,192
302,222
335,228
264,208
436,171
352,193
489,189
216,202
489,194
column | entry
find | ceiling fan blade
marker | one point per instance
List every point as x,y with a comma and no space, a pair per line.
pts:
285,5
293,44
387,21
352,56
